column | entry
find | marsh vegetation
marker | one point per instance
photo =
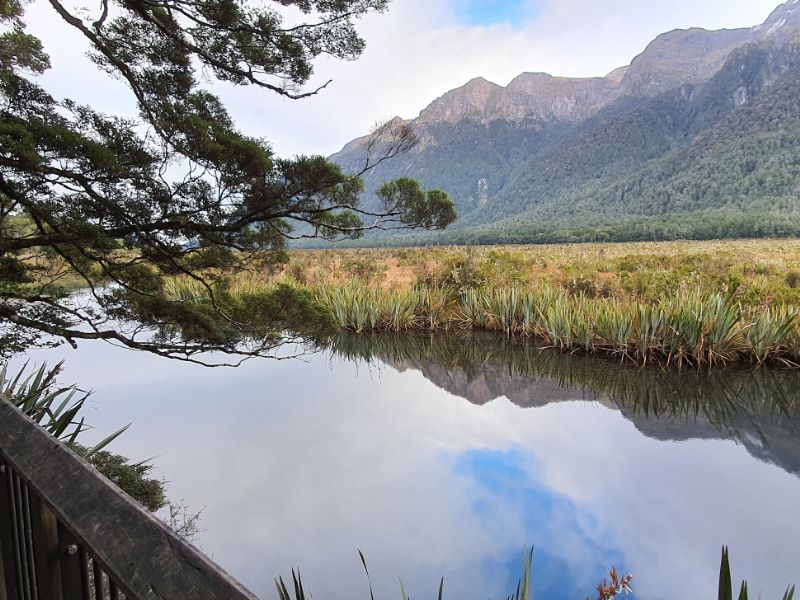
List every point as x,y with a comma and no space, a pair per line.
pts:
676,304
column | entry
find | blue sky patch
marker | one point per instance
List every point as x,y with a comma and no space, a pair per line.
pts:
512,480
479,13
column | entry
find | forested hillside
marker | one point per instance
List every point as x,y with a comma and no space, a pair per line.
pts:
709,148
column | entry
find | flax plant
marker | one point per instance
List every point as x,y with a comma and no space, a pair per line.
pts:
185,289
434,305
558,322
615,328
696,326
770,334
473,309
687,329
55,408
505,309
398,310
616,585
354,307
726,584
530,313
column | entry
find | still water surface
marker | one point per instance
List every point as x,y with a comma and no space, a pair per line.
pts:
445,456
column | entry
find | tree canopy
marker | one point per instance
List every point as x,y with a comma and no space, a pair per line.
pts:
119,206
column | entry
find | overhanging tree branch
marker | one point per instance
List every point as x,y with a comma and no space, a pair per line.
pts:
133,208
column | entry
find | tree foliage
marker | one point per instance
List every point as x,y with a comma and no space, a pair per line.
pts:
117,205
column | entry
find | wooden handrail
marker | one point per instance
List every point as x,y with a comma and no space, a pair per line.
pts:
58,515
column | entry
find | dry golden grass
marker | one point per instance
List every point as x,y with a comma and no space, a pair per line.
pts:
757,272
673,303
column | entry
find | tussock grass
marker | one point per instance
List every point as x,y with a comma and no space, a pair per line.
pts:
674,304
687,329
756,273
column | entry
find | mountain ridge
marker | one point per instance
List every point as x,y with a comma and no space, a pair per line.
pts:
547,152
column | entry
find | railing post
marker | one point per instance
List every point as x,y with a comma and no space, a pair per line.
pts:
49,493
97,581
3,592
74,566
9,589
45,548
26,570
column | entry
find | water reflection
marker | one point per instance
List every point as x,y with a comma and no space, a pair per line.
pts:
370,444
758,408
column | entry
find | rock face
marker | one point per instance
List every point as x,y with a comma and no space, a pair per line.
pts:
544,153
529,97
680,57
782,24
675,58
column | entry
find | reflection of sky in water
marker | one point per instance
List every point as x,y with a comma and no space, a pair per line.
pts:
302,463
507,480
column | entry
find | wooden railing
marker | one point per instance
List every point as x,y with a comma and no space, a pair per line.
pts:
67,533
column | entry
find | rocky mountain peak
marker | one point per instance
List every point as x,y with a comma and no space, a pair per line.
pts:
786,13
529,96
679,57
783,21
545,97
617,74
473,99
676,58
692,56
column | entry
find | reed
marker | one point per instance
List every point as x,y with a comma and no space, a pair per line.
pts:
686,329
581,299
608,589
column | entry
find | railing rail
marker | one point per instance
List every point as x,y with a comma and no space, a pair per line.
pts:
67,533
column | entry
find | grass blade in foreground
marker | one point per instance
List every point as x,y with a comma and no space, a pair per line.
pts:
726,583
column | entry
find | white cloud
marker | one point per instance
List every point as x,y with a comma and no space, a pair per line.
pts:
418,51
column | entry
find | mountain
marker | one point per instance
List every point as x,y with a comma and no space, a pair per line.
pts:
697,138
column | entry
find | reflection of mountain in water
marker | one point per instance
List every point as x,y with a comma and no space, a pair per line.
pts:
759,409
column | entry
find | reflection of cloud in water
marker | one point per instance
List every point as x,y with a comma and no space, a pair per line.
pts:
303,463
564,552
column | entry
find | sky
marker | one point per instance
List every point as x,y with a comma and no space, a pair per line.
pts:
417,51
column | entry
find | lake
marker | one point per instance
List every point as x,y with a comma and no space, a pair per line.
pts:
443,456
